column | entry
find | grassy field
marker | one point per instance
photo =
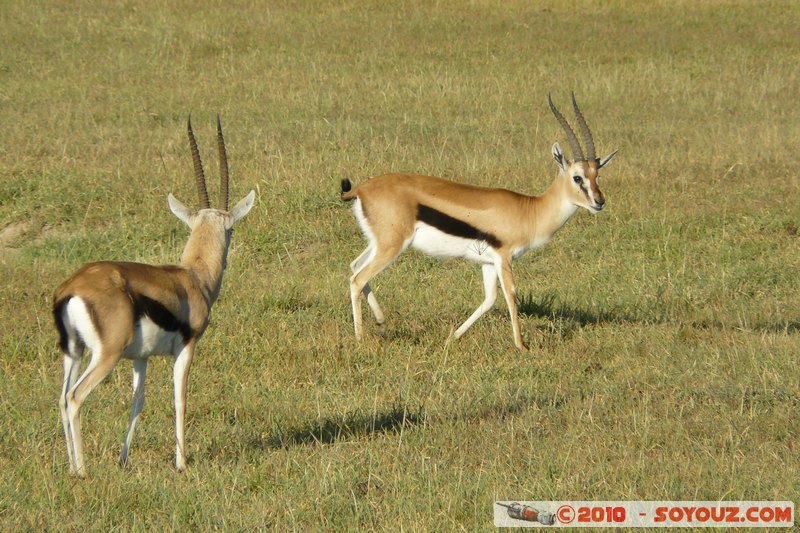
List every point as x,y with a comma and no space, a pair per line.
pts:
664,332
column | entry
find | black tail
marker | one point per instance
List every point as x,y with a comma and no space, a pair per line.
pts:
58,315
346,190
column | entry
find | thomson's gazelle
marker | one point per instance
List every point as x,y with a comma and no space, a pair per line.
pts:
134,310
490,226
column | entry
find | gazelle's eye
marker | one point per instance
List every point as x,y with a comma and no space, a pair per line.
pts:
576,178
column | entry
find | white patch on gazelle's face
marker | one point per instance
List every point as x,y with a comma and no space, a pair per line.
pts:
582,177
149,339
586,190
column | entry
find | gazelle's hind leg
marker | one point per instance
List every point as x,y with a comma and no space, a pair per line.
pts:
139,376
72,366
490,291
356,266
102,362
359,282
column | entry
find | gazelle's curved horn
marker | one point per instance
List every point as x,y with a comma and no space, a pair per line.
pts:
587,133
199,177
577,153
223,168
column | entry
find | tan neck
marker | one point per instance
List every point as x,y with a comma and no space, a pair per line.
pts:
549,212
205,256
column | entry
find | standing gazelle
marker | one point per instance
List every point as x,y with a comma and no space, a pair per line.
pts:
134,310
490,226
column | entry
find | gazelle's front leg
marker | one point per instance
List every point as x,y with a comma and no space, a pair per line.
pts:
139,376
503,267
490,292
180,375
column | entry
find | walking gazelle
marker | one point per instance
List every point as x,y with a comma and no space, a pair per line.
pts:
134,310
489,226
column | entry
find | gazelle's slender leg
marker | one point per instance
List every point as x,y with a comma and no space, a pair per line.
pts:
102,362
358,283
180,375
380,318
356,266
139,376
490,291
72,366
506,276
361,260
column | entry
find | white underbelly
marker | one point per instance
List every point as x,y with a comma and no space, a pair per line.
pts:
437,243
149,339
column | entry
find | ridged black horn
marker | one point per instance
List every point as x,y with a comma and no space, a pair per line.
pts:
223,168
587,133
577,153
199,177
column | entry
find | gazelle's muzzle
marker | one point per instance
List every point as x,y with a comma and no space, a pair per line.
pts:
599,199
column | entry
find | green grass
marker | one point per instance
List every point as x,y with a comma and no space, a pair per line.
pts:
664,331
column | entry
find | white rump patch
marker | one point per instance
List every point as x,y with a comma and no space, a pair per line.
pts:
78,323
358,210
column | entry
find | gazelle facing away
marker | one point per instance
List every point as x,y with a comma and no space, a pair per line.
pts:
134,310
490,226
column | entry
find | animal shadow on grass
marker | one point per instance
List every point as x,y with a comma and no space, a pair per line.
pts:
346,427
546,306
357,425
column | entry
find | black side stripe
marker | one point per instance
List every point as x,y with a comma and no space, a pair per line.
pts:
453,226
160,315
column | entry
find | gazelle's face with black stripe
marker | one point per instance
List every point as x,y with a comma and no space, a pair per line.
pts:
581,180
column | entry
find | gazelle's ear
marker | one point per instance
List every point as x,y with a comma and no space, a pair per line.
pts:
242,208
560,158
608,159
180,210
